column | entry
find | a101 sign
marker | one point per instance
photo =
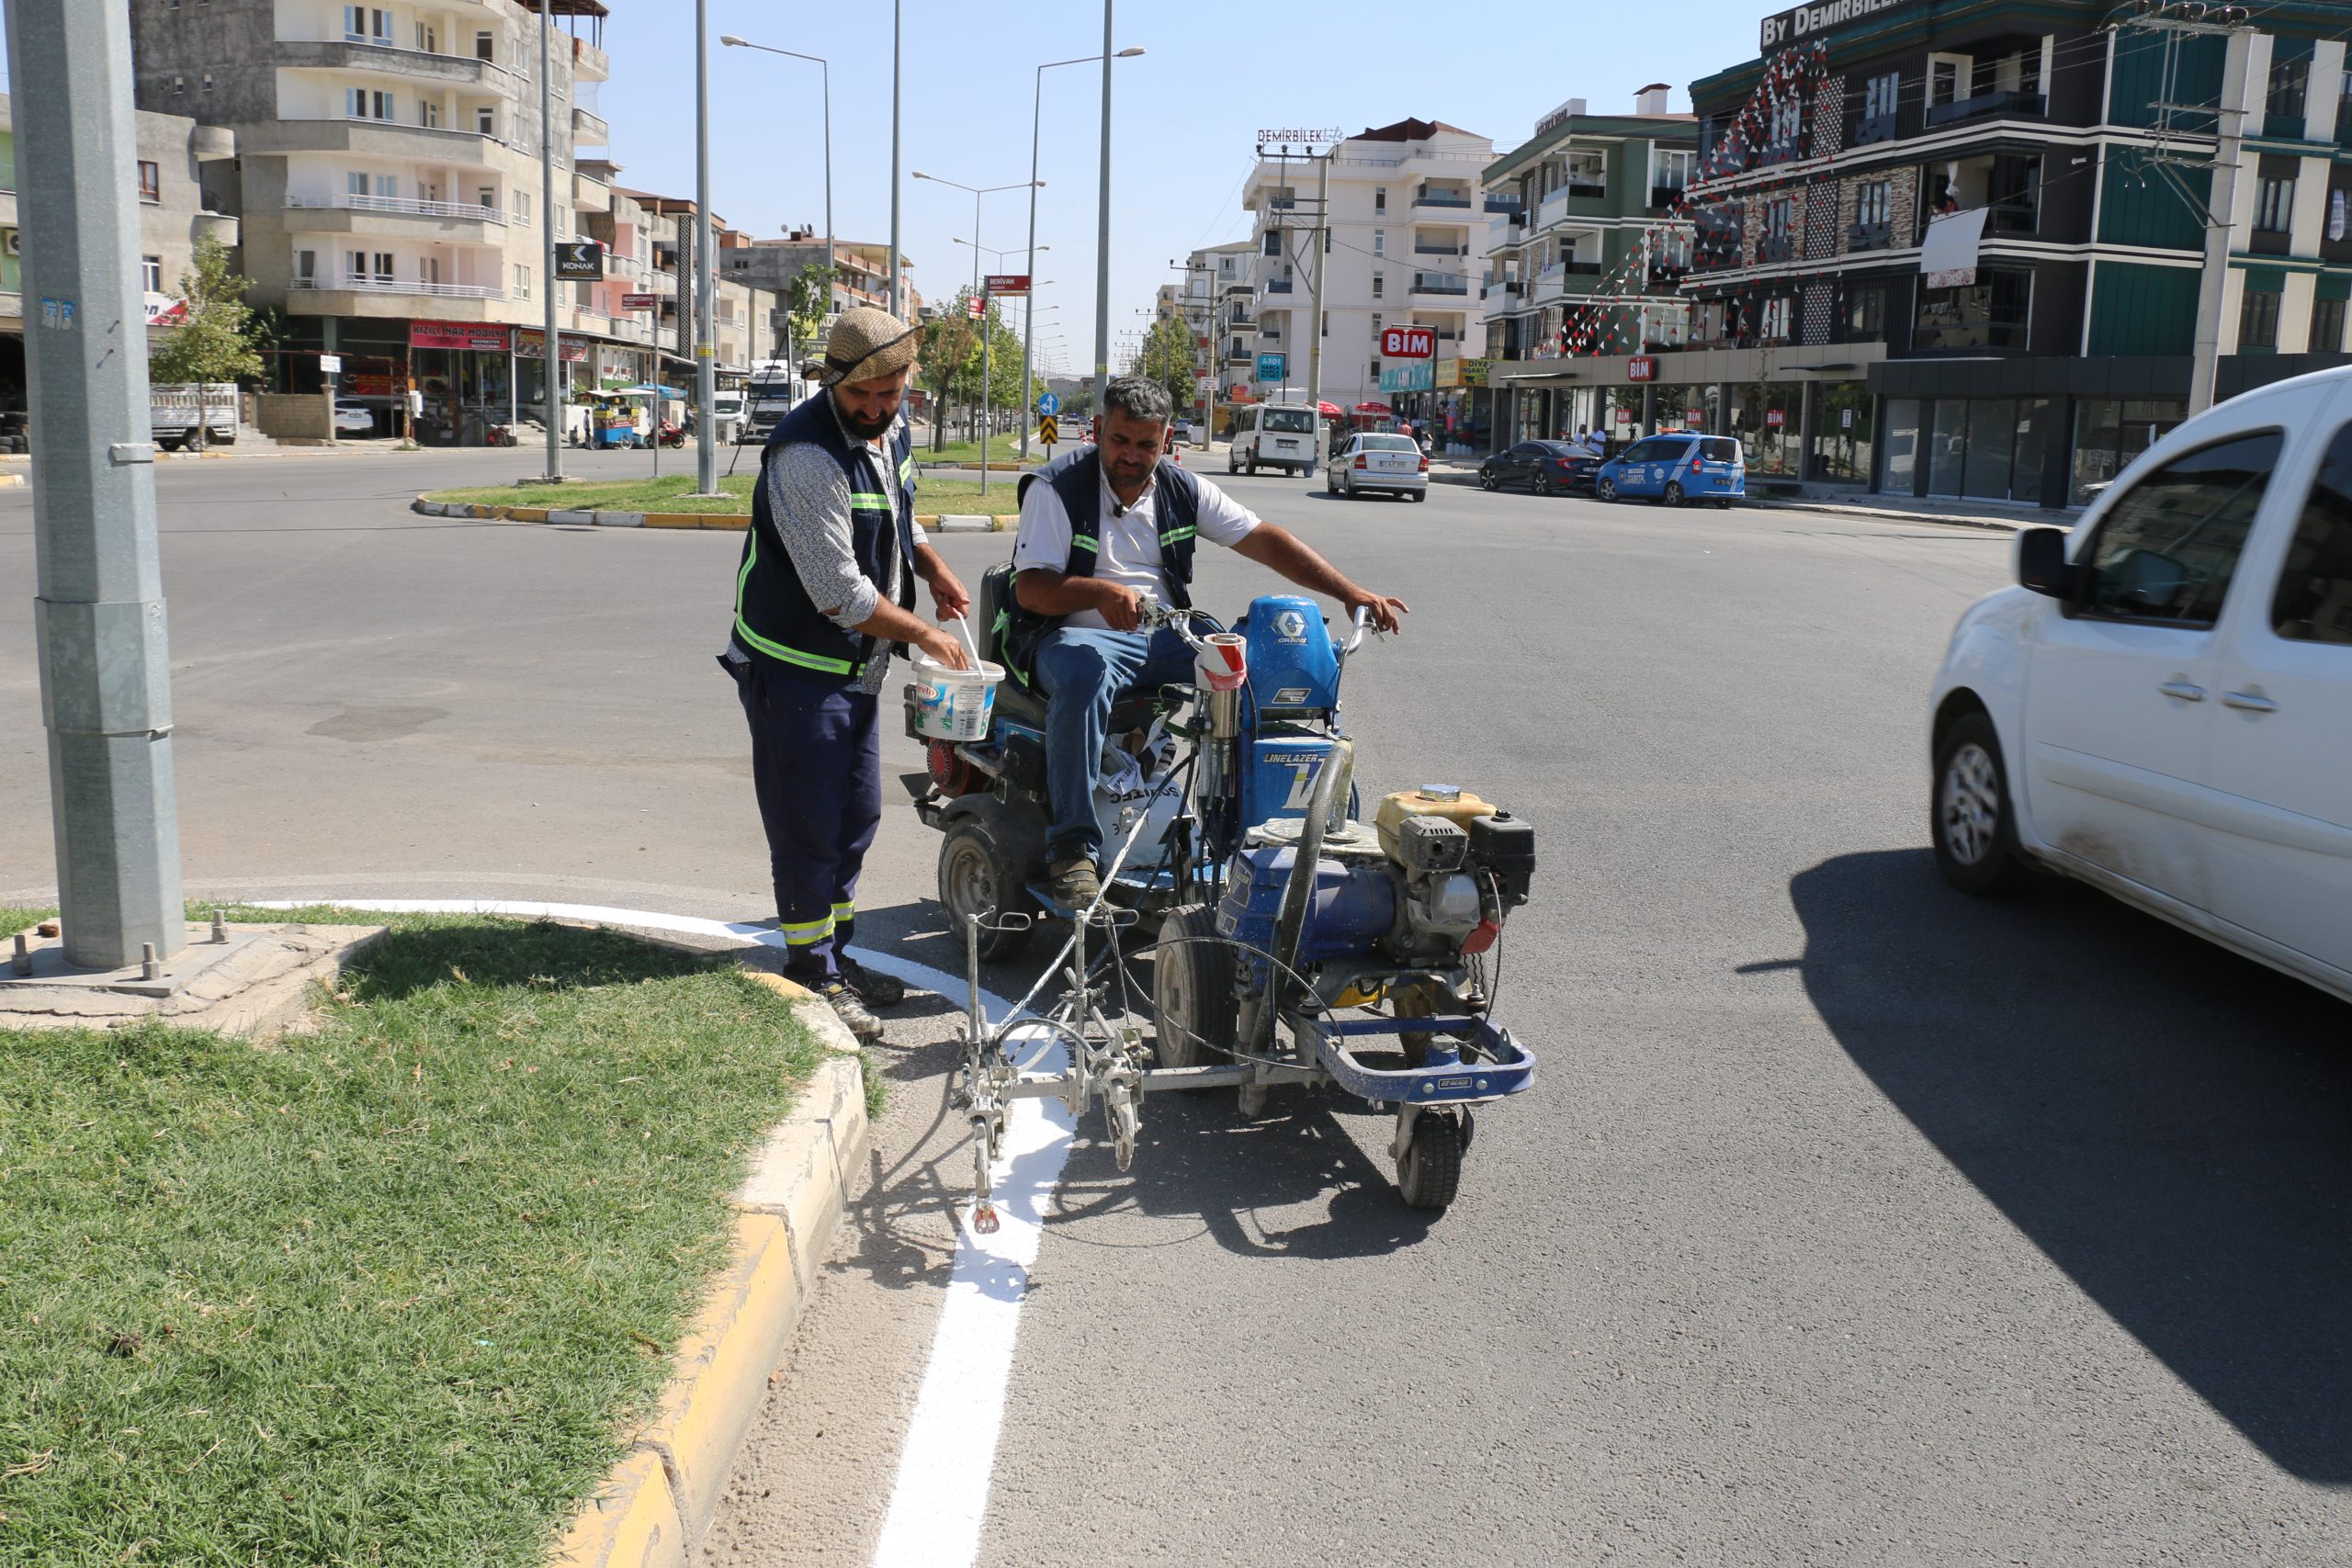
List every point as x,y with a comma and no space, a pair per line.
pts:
1407,343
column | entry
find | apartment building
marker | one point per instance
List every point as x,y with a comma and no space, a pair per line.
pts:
1955,250
1402,241
1212,299
862,269
187,181
390,196
1586,244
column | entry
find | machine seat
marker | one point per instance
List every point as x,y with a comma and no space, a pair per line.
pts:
1017,702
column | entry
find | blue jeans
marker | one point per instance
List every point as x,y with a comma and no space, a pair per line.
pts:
1082,672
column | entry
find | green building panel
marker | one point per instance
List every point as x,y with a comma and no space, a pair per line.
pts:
2138,310
2139,205
2141,68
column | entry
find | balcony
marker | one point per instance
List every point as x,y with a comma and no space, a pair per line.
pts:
391,60
1985,105
1506,229
1550,284
1871,129
1436,196
360,283
210,143
1278,285
1420,250
467,210
388,139
1664,196
588,128
1505,205
1870,236
1443,284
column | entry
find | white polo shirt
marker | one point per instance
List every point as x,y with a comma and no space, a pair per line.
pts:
1128,538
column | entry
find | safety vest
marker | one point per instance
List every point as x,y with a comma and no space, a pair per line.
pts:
1077,478
774,616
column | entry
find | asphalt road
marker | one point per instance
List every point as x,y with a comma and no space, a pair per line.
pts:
1851,1221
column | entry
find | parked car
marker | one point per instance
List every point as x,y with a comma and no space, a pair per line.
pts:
352,417
1272,435
1378,465
1676,470
1545,467
2163,706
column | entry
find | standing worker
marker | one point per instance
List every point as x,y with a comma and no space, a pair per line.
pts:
825,587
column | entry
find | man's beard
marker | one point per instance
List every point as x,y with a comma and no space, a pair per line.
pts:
864,429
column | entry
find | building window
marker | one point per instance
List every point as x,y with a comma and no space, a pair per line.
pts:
1787,121
1669,177
2327,326
428,39
1990,313
1588,171
150,182
179,85
1871,202
1866,315
1327,323
485,46
486,122
384,271
207,82
1379,284
1272,244
306,270
2258,321
354,266
2274,206
1879,97
523,208
522,281
1778,311
1380,241
1380,198
1948,78
151,274
428,114
2289,86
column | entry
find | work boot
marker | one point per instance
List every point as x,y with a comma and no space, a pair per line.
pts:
874,990
864,1027
1072,882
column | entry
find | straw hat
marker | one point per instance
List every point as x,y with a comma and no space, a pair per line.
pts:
866,344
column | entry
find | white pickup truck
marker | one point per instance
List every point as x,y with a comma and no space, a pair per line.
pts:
174,411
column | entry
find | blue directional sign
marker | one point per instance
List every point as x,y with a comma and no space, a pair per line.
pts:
1048,404
1269,367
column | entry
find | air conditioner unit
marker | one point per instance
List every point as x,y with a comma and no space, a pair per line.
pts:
11,241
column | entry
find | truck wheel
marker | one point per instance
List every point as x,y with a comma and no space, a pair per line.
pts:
1194,1016
1430,1174
976,874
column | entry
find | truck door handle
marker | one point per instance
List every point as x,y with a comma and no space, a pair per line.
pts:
2252,701
2182,690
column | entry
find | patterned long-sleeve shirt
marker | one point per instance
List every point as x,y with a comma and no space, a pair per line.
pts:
809,500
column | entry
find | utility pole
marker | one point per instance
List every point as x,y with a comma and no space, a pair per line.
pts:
705,274
2219,219
1315,310
551,367
1102,230
897,88
98,589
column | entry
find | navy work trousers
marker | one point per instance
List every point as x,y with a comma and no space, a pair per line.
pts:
816,763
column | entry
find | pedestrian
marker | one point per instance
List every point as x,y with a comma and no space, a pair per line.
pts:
825,588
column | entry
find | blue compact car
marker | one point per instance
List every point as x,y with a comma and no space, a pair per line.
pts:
1676,470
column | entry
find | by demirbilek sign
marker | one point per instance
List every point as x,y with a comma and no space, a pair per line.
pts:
1807,22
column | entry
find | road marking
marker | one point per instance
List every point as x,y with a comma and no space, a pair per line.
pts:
939,1497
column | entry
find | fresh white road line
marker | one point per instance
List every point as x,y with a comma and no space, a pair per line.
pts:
939,1499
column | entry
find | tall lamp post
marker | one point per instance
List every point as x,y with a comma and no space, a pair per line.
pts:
1036,119
826,76
705,274
978,192
1028,304
553,366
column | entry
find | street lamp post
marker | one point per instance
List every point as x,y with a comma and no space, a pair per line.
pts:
826,76
552,365
1103,228
1037,121
986,342
706,275
1028,307
898,89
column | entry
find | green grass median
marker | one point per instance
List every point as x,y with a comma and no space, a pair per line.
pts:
674,494
393,1292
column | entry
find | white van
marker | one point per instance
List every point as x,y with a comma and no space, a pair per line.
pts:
1272,435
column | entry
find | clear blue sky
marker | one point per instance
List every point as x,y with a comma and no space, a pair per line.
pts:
1183,114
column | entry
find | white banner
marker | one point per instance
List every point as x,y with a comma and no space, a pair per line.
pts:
1948,257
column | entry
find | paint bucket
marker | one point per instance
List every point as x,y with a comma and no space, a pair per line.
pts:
1222,663
952,705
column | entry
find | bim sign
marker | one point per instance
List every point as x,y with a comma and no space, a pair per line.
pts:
1825,15
1407,343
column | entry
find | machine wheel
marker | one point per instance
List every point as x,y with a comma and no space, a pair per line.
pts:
1604,490
1673,496
1974,826
1430,1173
1488,480
976,872
1543,485
1194,1016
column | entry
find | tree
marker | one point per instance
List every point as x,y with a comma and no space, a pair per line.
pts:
808,300
214,342
1167,358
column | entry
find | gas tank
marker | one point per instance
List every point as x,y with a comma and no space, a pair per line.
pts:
1293,666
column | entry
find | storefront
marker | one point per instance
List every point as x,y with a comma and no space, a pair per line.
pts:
1465,407
530,364
1842,444
1769,419
466,372
2110,431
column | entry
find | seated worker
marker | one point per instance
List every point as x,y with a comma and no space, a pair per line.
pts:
1105,528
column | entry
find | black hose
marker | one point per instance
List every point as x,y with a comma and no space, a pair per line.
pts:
1298,893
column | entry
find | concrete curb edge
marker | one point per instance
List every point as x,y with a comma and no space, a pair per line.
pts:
654,1507
715,521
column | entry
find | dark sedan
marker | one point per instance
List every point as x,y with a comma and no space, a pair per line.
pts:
1547,467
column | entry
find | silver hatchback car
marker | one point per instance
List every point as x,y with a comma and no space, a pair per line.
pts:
1376,464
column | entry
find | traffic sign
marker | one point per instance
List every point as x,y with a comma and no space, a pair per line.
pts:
1008,282
640,301
330,364
1050,404
1047,431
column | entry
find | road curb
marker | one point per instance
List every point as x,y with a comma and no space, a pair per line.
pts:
714,521
654,1507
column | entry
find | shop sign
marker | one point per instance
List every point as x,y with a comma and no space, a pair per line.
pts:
1448,373
366,384
580,261
530,343
1412,376
1825,15
1008,285
1694,417
163,311
1774,419
476,337
1475,371
1641,368
1407,343
640,301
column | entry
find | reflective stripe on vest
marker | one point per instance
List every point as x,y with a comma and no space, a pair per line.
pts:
777,650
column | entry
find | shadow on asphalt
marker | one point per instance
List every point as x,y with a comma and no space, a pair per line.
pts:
2170,1124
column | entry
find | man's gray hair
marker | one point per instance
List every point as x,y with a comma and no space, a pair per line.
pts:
1138,397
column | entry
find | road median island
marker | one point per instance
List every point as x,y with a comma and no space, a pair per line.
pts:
488,1262
670,503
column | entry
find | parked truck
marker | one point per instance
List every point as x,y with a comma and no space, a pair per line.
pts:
176,411
771,392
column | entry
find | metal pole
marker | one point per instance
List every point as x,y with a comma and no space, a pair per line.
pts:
705,274
1315,303
988,343
98,588
833,271
1102,230
897,86
2220,219
1029,305
553,406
